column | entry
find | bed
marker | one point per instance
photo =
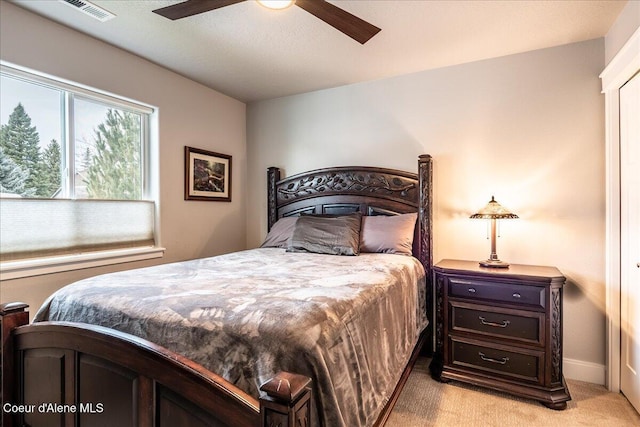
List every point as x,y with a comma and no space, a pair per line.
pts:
306,331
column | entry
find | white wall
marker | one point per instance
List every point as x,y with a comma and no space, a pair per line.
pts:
527,128
189,114
625,25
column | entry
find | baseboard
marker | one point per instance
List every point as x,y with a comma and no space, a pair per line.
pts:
584,371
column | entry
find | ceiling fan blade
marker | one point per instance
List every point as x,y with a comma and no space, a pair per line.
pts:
356,28
193,7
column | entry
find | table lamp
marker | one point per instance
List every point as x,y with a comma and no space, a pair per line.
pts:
493,211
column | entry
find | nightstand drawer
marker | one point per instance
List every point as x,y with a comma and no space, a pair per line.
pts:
532,296
526,327
519,364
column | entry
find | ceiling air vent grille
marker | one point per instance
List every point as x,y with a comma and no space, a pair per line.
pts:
90,9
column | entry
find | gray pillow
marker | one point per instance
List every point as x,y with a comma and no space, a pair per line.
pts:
280,233
327,235
388,234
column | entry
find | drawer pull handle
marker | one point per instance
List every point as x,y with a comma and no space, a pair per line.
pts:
472,290
502,361
502,324
517,295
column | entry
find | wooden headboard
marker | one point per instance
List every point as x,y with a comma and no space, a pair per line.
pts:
369,190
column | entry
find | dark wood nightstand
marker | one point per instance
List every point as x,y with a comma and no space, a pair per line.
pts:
501,329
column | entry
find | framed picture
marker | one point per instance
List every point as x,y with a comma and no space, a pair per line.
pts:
207,175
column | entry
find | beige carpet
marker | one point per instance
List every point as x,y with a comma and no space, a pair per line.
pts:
425,402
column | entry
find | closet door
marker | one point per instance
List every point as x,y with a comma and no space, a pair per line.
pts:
630,240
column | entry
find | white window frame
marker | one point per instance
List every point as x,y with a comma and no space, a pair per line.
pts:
56,264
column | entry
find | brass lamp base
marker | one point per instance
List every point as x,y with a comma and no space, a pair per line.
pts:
494,263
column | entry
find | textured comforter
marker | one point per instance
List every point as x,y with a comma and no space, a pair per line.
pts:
349,323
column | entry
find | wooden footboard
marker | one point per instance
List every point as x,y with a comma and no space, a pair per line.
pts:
69,374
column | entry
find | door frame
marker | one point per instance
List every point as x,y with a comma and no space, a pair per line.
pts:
622,67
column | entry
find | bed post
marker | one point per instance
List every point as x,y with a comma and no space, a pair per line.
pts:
12,315
288,401
273,176
425,181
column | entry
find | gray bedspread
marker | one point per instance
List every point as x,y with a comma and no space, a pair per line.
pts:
348,322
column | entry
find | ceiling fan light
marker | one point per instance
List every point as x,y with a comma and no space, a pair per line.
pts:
276,4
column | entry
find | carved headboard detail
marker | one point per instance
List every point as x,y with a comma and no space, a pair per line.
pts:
365,180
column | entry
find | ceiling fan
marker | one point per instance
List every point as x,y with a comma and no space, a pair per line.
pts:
354,27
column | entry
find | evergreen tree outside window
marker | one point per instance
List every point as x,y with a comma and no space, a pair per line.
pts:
30,117
20,142
50,170
108,164
12,178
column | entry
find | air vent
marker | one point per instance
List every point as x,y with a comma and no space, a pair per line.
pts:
90,9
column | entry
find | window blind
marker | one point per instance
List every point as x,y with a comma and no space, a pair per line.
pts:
31,228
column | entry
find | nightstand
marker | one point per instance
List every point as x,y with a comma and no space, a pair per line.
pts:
501,329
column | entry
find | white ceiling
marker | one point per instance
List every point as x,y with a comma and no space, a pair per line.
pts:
252,53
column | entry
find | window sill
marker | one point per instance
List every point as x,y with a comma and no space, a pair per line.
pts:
39,266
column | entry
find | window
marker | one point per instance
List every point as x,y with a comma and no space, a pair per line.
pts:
73,170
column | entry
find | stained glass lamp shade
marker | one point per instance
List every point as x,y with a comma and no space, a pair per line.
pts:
493,211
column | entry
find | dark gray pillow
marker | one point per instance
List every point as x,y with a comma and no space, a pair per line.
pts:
327,235
388,234
280,233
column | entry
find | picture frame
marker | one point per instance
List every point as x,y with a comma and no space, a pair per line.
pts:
207,175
